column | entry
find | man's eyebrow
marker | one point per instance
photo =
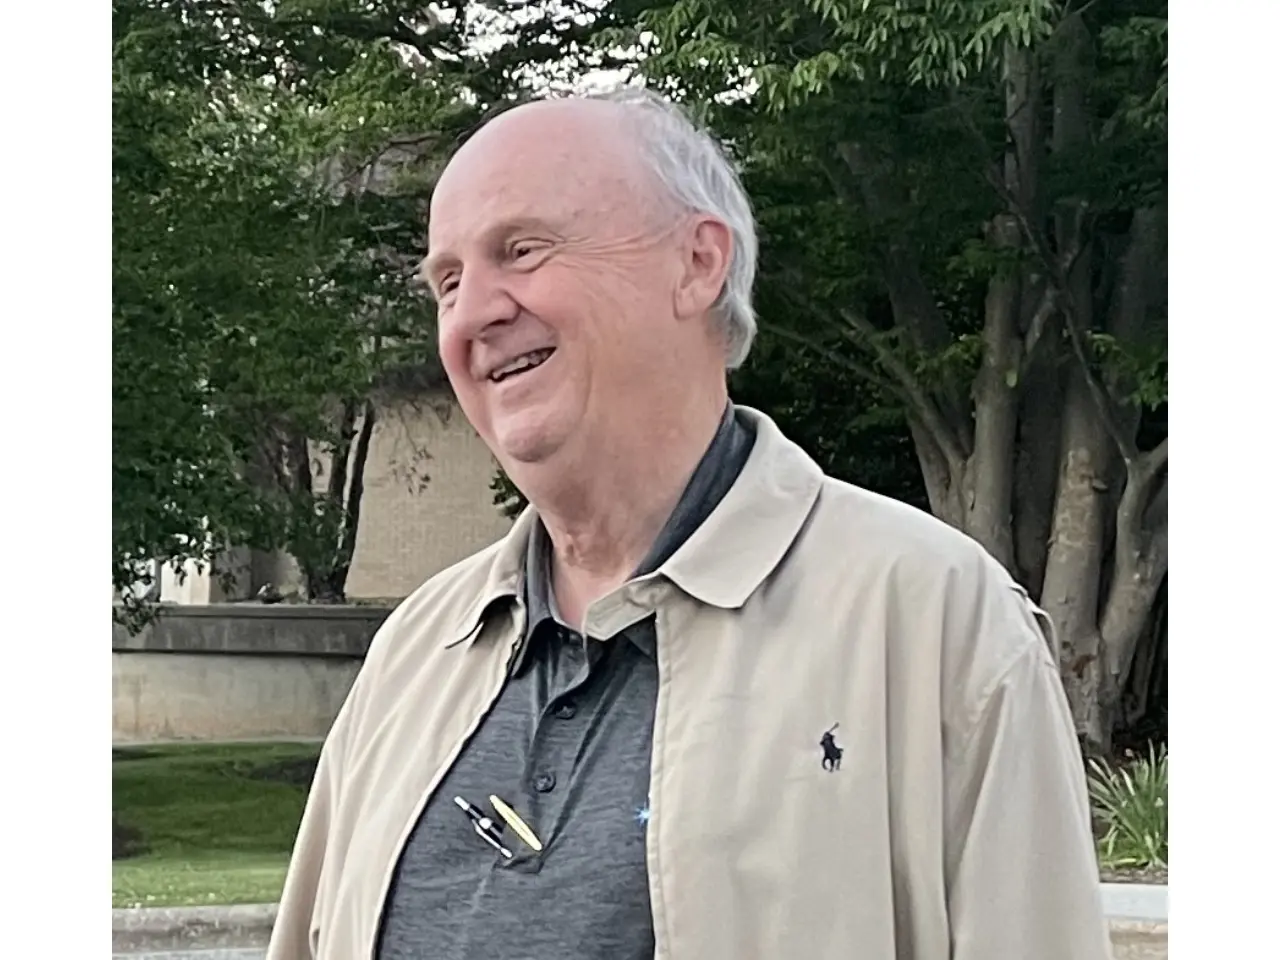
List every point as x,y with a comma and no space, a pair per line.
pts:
517,224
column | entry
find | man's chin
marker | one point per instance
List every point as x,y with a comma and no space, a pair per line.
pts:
525,445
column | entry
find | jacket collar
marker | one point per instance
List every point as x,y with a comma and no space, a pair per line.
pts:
739,545
502,578
727,557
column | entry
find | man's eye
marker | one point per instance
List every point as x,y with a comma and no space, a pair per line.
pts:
523,249
448,284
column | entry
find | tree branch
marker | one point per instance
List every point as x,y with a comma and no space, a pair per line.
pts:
1045,311
1145,473
912,389
353,177
1148,466
341,454
1141,558
915,308
1102,398
355,499
1059,267
835,357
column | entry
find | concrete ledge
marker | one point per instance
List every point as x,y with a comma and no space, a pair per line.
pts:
191,928
143,930
1139,940
254,628
1136,901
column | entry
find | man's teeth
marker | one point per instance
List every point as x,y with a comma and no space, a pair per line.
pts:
521,363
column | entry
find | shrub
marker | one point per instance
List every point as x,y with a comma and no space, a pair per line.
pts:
1131,802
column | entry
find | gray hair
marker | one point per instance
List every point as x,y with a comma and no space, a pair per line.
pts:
693,167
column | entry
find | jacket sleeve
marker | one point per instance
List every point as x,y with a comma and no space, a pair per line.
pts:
293,935
1022,874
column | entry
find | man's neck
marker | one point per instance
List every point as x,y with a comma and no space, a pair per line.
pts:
603,523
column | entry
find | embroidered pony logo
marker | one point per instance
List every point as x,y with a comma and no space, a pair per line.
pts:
831,751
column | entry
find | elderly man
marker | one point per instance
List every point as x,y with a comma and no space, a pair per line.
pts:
702,702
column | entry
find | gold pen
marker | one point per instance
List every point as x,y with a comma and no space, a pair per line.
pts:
514,821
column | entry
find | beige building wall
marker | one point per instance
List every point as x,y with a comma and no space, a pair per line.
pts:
426,505
427,502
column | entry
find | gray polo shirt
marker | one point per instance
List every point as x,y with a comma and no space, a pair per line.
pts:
567,746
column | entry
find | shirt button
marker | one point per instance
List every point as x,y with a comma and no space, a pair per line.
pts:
544,782
567,710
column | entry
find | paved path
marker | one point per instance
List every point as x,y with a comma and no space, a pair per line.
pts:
1126,947
1138,929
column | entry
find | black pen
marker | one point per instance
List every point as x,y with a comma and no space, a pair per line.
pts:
484,827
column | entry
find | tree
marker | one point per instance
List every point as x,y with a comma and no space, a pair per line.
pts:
272,166
962,203
266,211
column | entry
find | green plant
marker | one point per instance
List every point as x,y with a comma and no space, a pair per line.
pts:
1131,801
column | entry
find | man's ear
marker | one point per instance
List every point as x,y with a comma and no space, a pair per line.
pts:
706,253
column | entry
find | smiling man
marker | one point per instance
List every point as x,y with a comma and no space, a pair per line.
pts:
702,702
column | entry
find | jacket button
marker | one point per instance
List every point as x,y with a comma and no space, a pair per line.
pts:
567,710
544,782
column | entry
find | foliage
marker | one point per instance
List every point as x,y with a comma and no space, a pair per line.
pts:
265,219
506,495
1132,803
271,163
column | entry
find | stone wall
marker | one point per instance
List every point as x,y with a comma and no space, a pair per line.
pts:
237,671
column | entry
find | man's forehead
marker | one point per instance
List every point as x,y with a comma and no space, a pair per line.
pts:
549,126
552,167
536,153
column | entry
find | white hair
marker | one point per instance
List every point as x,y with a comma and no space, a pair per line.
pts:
693,167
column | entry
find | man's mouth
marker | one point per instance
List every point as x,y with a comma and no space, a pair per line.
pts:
521,364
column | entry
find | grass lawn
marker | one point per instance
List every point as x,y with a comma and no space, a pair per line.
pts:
219,821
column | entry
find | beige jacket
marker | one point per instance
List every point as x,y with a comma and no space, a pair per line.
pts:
956,827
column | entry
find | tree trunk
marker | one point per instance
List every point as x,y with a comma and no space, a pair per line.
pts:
1040,381
989,473
328,584
1036,467
946,500
1145,672
1141,518
1076,550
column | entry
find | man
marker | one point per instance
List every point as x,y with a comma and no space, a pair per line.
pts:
702,703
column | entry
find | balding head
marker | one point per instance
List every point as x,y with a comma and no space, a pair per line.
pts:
570,159
583,141
557,243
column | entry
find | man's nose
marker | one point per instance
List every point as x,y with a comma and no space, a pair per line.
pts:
481,302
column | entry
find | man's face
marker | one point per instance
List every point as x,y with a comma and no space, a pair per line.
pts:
555,268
